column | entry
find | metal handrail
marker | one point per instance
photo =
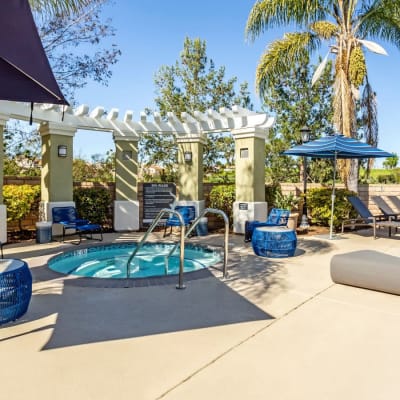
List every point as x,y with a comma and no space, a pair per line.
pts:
226,237
182,242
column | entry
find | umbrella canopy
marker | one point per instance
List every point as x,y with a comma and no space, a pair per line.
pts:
337,146
25,72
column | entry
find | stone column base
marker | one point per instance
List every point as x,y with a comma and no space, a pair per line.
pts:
3,223
248,211
126,215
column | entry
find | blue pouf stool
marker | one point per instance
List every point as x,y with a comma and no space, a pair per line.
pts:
15,289
274,241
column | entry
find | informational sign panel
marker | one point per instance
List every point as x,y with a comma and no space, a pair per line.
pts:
157,196
243,206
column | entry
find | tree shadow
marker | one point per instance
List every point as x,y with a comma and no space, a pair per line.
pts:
89,314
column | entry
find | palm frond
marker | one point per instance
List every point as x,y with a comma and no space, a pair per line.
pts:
369,115
369,118
281,55
381,21
61,7
319,70
271,13
374,47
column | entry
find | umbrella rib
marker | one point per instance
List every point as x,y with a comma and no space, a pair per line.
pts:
32,78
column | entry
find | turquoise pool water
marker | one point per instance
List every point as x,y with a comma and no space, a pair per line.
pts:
109,261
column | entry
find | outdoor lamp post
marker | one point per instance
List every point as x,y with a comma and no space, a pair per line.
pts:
305,137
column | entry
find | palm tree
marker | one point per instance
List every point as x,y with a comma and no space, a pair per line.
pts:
344,25
58,6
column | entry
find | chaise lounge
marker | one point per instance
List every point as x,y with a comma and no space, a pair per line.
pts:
366,218
67,217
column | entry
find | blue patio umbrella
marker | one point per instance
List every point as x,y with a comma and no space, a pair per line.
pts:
334,147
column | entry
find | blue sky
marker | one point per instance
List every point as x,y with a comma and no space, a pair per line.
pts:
151,33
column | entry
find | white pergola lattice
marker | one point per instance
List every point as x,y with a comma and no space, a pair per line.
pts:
82,118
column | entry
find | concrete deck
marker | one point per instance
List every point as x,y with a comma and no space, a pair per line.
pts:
275,328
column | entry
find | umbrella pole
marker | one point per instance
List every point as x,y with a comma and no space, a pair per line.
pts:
333,197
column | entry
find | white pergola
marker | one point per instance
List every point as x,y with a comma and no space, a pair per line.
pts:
59,120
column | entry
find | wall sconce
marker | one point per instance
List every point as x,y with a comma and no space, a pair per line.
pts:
127,155
244,153
62,150
187,155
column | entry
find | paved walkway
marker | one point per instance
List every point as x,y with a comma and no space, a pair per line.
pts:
274,329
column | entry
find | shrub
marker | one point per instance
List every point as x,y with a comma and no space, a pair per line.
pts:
20,200
271,193
93,204
319,202
222,198
287,202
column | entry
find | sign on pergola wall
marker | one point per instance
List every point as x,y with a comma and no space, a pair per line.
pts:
157,196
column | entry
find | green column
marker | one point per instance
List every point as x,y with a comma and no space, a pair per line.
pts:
126,168
250,165
126,204
250,202
190,168
57,155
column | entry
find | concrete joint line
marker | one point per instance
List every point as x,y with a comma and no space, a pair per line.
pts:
214,360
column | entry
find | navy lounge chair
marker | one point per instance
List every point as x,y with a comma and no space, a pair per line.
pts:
276,217
395,201
367,218
188,214
68,218
385,207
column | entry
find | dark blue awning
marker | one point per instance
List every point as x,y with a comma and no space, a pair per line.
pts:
25,73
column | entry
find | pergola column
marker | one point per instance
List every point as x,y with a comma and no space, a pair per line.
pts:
190,171
3,209
126,205
250,177
56,177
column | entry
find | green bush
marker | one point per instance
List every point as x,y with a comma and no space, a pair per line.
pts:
319,203
93,204
20,200
271,192
287,202
222,198
388,178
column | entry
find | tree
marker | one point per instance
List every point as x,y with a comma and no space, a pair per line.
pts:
73,46
22,149
193,83
99,169
391,162
344,25
295,104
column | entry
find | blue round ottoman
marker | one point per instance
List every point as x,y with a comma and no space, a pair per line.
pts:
15,289
274,241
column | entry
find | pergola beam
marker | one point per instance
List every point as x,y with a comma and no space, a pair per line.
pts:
99,120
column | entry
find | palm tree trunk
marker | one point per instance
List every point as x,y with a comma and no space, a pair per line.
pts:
352,179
